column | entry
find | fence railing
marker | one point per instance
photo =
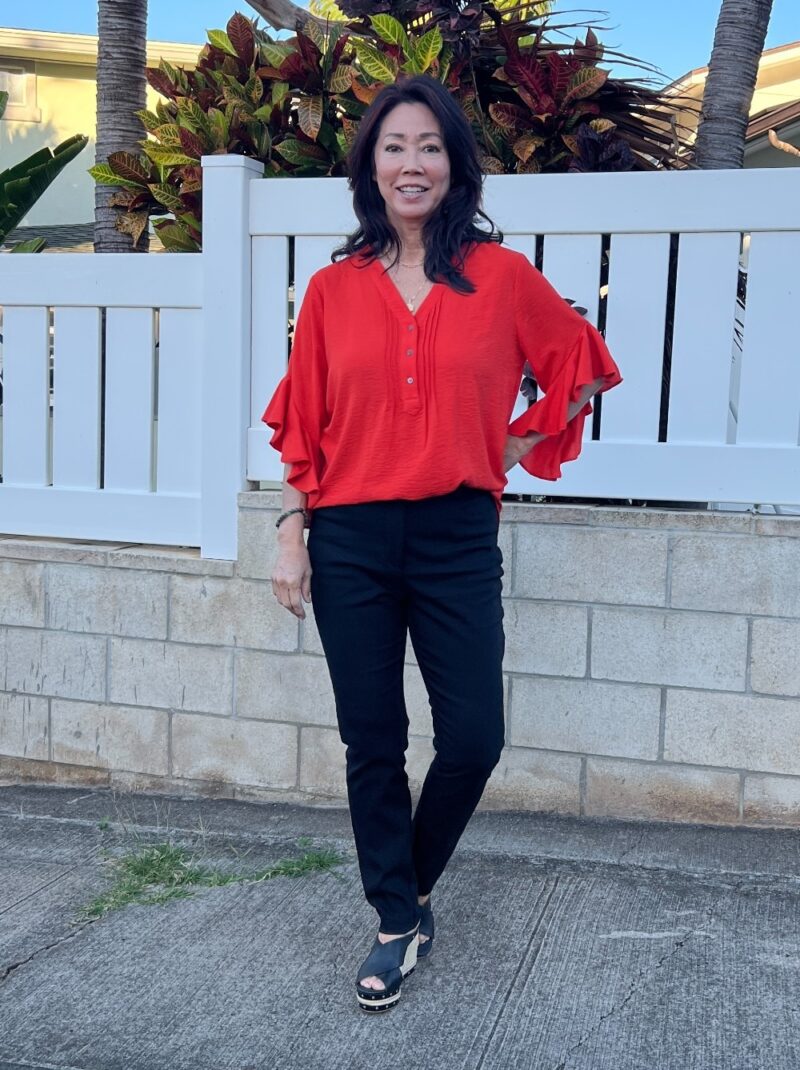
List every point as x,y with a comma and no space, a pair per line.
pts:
654,258
133,385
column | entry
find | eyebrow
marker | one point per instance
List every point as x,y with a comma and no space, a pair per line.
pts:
428,133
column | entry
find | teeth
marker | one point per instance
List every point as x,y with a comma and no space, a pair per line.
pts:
411,189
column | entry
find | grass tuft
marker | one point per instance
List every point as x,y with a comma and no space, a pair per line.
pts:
161,872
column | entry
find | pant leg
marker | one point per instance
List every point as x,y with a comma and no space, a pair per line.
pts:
453,573
360,610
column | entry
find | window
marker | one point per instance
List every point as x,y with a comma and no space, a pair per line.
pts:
18,79
12,80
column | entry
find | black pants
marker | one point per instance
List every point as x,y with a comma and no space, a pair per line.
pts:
432,568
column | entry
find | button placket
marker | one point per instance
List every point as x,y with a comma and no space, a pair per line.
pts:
410,392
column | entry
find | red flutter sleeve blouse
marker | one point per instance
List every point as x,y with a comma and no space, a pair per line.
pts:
380,403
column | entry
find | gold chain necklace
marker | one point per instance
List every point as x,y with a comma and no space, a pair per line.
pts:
410,300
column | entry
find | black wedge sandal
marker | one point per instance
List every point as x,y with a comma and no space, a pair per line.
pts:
391,963
425,929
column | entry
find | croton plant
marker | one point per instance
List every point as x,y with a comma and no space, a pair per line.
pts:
295,104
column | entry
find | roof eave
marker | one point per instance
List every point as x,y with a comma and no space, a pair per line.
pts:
698,75
81,48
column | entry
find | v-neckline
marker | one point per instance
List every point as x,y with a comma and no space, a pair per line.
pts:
390,288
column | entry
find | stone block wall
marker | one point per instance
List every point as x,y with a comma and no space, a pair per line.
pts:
652,668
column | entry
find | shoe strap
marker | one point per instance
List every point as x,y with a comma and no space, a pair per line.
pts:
426,919
385,958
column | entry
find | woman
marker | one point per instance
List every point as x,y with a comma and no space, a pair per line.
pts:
392,420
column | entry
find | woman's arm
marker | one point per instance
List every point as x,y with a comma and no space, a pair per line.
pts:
518,445
290,533
291,574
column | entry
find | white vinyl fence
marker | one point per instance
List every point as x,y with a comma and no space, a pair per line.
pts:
161,365
140,435
732,415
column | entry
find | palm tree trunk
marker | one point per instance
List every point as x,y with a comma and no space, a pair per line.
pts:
732,72
121,90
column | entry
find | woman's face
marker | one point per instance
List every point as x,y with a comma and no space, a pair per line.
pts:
410,151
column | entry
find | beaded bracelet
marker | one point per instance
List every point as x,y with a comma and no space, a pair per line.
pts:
298,509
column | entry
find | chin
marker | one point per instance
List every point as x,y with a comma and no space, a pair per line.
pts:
414,211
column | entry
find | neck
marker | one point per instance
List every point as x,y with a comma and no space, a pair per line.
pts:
412,247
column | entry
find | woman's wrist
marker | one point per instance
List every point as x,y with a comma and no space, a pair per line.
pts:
531,439
290,530
525,443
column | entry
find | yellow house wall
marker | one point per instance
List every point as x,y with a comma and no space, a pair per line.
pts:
772,92
66,95
778,83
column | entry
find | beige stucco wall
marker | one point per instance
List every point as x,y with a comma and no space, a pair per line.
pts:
66,96
778,83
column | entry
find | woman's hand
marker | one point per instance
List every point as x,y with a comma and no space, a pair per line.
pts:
291,577
517,446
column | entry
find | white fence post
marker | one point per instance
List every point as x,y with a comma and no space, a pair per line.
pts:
226,346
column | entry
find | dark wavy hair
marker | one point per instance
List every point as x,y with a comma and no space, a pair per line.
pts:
451,226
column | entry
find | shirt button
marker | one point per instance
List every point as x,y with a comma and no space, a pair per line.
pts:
409,380
409,352
411,326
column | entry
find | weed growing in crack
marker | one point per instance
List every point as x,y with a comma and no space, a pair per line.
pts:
161,872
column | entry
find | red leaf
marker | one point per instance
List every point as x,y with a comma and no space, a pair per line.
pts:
366,94
240,32
140,200
191,143
293,69
337,50
586,107
560,71
190,184
309,51
509,116
126,165
589,52
161,83
528,73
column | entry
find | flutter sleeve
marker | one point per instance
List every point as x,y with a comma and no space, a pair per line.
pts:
296,411
566,353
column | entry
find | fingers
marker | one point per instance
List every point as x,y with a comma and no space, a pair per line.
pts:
289,598
290,595
295,603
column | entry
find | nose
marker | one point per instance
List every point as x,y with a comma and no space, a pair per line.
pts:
413,158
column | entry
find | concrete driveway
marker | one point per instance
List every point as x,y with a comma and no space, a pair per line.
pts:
562,944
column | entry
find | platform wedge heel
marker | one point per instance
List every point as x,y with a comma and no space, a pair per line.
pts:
391,962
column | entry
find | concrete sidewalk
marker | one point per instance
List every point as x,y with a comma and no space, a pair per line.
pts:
562,944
